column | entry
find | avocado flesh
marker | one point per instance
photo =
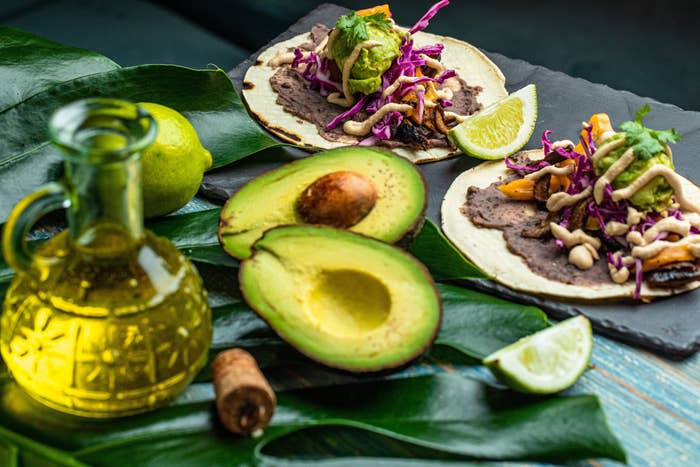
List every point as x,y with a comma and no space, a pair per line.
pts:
657,194
367,71
270,199
342,299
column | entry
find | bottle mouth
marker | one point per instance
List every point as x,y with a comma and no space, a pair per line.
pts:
101,130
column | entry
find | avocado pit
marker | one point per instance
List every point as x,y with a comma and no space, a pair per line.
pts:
339,199
374,192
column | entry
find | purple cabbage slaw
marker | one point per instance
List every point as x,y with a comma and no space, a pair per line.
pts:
409,60
316,72
423,22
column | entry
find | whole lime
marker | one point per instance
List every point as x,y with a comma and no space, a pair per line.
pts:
174,164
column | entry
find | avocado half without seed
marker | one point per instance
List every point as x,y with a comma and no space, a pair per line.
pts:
343,299
365,190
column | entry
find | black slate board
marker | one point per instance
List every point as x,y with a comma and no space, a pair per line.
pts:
670,326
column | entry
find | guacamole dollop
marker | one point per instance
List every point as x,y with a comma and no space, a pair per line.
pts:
366,73
656,195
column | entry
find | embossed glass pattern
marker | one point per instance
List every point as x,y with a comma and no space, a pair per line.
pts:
105,319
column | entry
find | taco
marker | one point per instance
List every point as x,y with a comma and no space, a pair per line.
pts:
606,218
367,81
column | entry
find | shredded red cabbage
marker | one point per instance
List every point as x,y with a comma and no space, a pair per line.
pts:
677,213
382,130
525,168
647,223
615,260
588,144
638,276
423,22
430,50
447,74
611,259
316,72
406,64
348,113
584,174
564,152
608,210
566,216
371,140
420,95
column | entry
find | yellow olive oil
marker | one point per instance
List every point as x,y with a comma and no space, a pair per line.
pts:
104,319
99,334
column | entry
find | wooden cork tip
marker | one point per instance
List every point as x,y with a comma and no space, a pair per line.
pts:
244,399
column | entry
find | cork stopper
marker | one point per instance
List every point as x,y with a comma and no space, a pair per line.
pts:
244,399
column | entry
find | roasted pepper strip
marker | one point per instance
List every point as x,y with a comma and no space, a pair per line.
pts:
522,189
592,223
375,9
559,183
672,254
601,124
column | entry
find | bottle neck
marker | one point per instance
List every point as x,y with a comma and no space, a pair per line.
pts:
106,209
102,140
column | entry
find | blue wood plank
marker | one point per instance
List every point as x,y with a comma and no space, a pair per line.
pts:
662,385
652,404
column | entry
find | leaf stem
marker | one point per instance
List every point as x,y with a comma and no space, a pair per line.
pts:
52,454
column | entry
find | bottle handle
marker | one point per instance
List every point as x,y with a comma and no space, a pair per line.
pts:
26,213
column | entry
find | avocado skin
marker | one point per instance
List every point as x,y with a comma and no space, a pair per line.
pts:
394,364
403,240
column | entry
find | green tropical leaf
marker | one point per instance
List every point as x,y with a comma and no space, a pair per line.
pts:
455,416
195,234
478,324
442,259
16,450
30,64
206,97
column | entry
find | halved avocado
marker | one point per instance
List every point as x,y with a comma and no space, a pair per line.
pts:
343,299
390,194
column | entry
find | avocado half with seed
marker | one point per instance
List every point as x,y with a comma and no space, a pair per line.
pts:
343,299
365,190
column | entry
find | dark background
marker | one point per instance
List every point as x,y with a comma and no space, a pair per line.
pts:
649,48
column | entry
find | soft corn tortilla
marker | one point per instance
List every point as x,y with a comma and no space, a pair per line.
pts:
488,250
470,64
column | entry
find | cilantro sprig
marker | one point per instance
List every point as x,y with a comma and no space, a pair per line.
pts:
353,27
645,142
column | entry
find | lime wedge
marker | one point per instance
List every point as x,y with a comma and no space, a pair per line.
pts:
546,362
500,129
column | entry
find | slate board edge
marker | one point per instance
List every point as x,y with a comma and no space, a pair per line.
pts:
561,310
606,327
